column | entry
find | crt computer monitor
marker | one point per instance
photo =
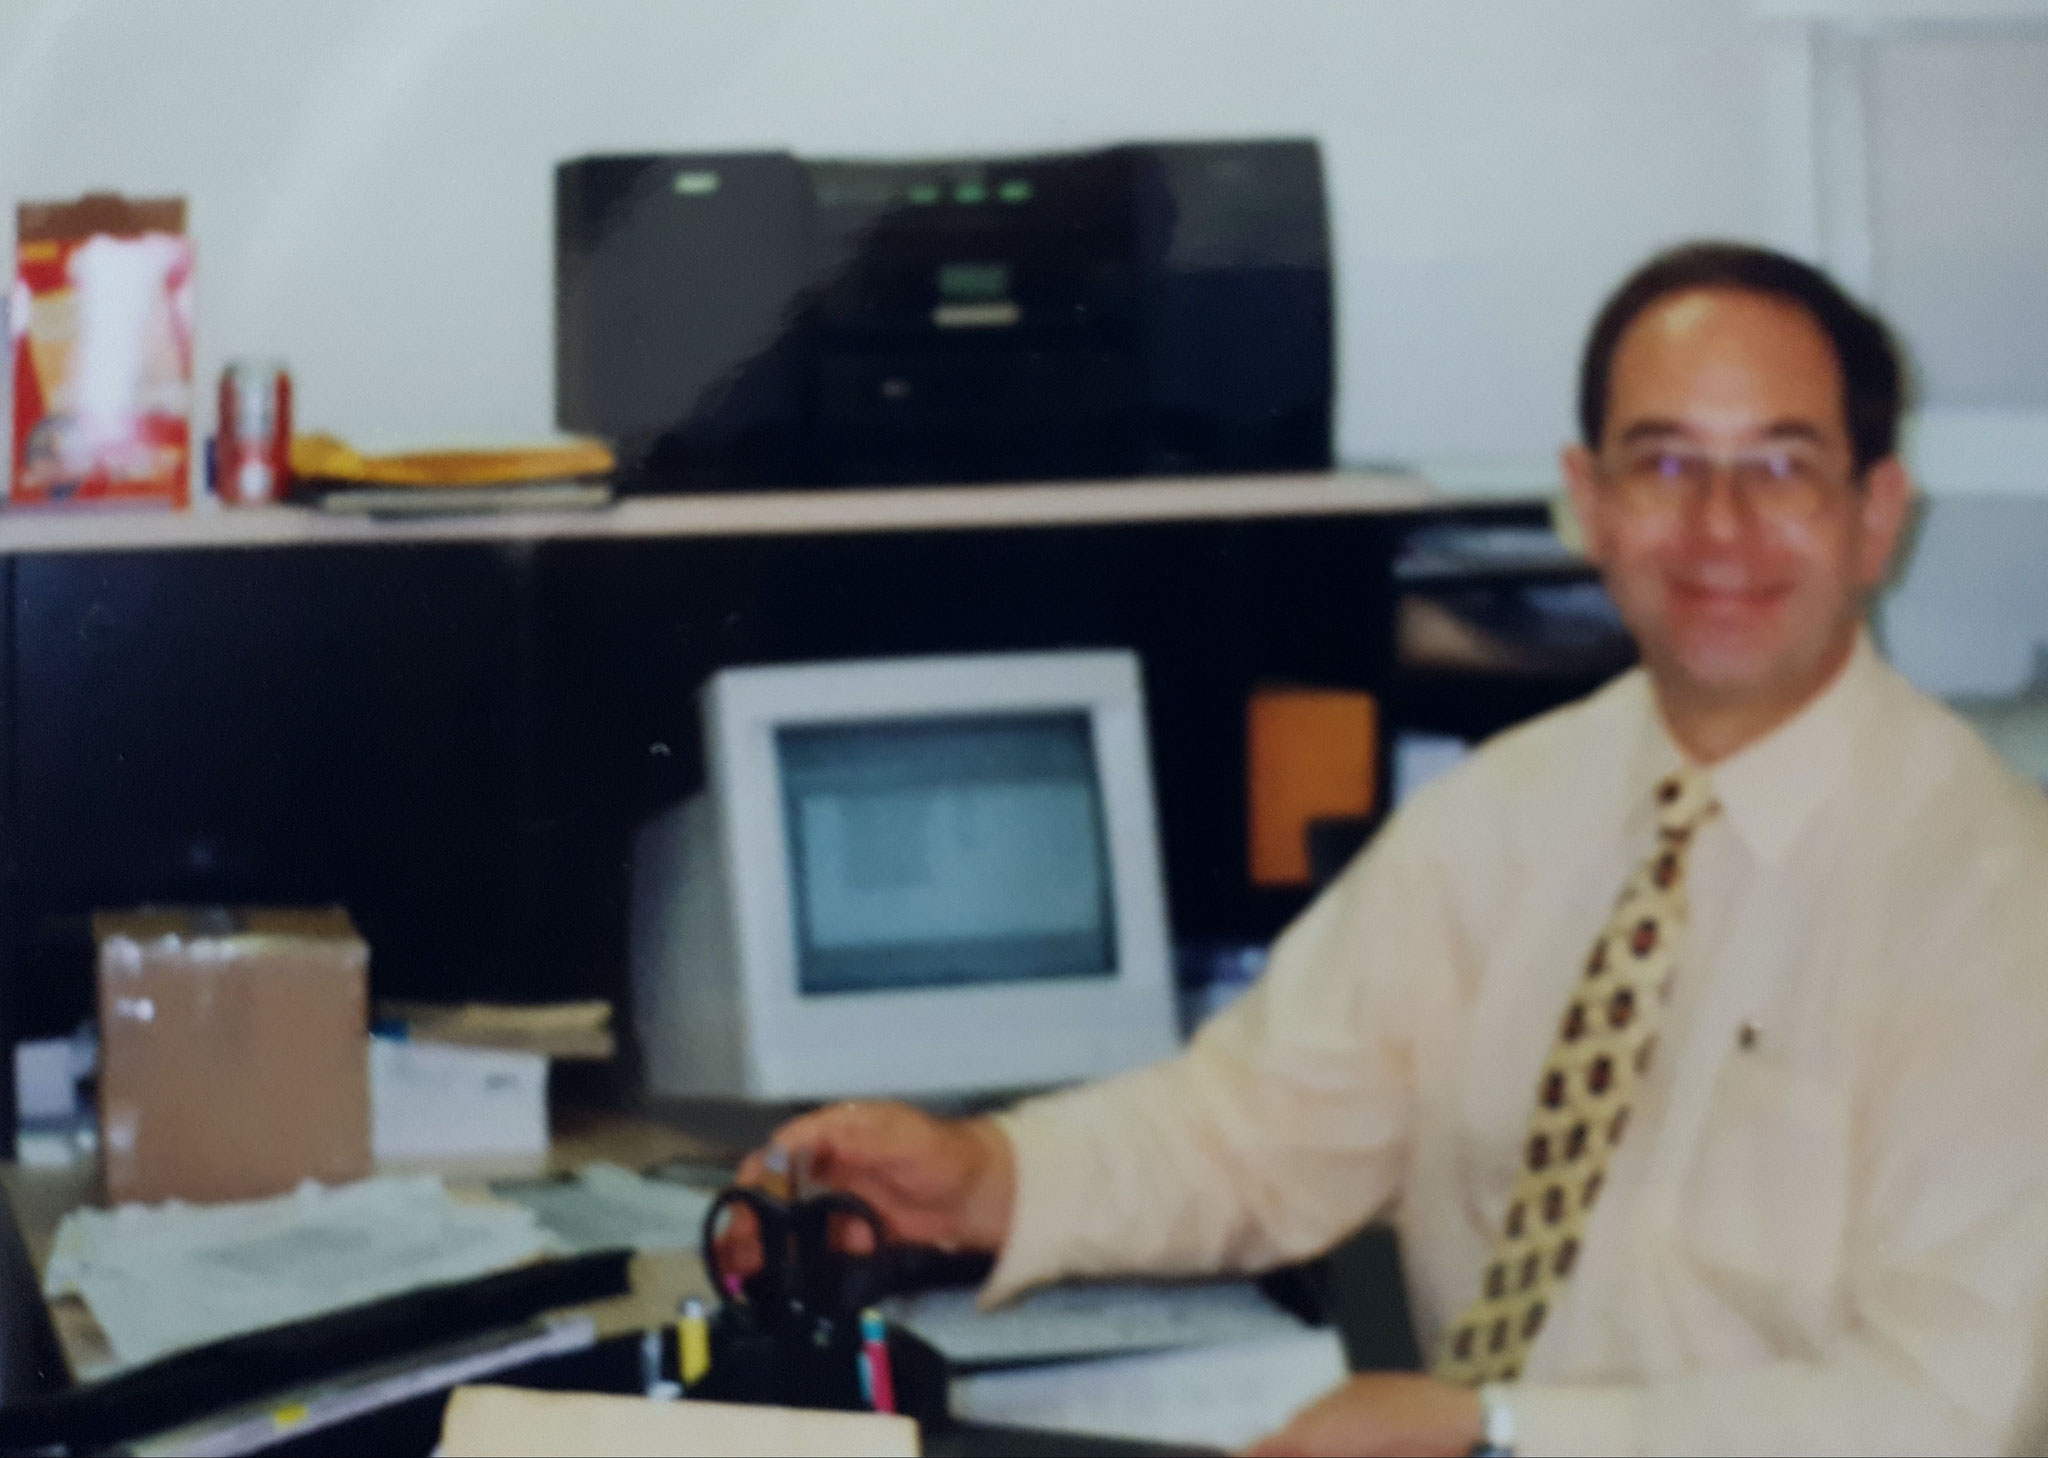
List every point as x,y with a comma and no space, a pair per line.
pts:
921,877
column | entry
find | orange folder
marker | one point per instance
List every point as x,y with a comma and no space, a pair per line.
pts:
1310,755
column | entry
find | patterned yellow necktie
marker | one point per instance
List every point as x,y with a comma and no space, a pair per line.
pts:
1603,1048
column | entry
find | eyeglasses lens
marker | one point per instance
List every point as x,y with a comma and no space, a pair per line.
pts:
1782,484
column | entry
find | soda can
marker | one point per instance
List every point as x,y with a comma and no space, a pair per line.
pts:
252,452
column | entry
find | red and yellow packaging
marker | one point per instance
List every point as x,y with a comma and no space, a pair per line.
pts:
101,321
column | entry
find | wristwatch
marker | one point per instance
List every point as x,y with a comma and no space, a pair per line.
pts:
1497,1418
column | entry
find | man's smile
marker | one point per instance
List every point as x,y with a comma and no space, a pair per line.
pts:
1721,596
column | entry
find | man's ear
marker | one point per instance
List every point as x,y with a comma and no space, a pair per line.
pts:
1583,492
1885,504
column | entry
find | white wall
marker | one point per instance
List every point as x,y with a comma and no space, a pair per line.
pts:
370,183
370,179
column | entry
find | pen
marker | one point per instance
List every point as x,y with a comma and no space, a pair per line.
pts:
878,1382
693,1343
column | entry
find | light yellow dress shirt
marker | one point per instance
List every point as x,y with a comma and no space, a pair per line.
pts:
1827,1228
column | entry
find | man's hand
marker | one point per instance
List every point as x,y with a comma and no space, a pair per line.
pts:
1381,1412
942,1182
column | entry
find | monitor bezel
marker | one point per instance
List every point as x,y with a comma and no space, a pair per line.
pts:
942,1040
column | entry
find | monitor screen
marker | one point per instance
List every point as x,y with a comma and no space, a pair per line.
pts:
952,851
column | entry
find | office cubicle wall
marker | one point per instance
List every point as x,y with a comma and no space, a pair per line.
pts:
457,740
251,726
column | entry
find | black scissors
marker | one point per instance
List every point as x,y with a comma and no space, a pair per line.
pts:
803,1280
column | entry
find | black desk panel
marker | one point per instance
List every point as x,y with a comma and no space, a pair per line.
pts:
627,635
457,740
265,726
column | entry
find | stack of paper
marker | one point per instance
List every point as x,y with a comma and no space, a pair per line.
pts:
328,458
1090,1319
437,1101
557,1029
556,475
1199,1362
159,1278
1226,1395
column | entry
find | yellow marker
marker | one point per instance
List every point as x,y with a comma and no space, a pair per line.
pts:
693,1343
289,1416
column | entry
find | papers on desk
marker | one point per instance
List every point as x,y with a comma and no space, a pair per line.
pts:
1090,1319
161,1278
296,1414
606,1207
1201,1362
1224,1395
560,1030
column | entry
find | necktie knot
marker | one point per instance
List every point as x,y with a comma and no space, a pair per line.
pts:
1685,801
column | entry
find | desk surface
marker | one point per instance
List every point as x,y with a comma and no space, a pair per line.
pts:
661,1279
737,513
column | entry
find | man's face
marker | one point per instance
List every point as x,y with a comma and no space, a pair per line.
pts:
1721,504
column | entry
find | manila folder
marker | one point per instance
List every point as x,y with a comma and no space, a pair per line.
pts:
482,1422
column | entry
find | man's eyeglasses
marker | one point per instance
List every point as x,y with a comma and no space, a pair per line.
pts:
1785,483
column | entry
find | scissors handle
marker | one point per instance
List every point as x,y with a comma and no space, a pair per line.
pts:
829,1281
771,1217
799,1265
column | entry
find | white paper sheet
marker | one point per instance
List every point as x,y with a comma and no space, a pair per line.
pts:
1222,1396
607,1207
159,1278
442,1101
1091,1319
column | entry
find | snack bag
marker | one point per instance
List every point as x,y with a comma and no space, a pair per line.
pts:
100,315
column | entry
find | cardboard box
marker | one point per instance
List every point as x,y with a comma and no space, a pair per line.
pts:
234,1052
100,335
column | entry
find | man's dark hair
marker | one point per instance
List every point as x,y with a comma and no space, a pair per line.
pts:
1873,377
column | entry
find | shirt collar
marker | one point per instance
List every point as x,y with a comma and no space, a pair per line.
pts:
1768,789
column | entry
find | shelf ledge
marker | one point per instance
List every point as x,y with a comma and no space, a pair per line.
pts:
25,530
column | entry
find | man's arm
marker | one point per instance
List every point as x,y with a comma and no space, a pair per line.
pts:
1281,1128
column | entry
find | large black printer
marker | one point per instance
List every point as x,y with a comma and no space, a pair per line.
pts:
754,319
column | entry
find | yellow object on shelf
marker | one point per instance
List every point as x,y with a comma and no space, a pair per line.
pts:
327,458
556,1029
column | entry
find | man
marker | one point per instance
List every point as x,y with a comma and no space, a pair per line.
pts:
1753,1157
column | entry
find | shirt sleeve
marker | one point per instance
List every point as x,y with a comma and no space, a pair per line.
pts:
1281,1128
1946,1250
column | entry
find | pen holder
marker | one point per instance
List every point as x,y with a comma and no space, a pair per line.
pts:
815,1364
